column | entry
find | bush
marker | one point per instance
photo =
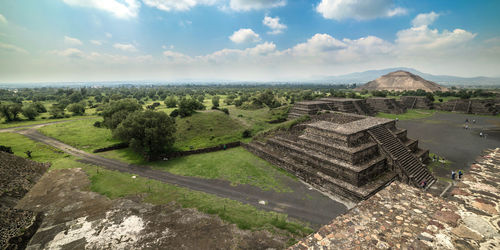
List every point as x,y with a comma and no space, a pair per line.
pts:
247,133
6,149
174,113
97,124
77,108
225,110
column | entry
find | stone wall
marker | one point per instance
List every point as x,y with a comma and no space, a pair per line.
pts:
404,217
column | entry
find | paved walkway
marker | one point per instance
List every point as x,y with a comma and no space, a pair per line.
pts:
303,203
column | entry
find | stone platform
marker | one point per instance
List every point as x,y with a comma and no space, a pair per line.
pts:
346,155
346,105
416,102
473,106
386,105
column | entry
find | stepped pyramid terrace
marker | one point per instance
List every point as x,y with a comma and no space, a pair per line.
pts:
347,155
346,105
416,102
473,106
386,105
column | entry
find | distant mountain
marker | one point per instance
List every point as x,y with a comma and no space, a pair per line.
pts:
400,81
366,76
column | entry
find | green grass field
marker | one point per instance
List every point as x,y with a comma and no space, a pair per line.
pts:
206,129
235,165
40,152
410,114
81,134
116,184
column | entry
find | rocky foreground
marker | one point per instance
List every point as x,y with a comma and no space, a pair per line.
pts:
401,216
76,218
17,177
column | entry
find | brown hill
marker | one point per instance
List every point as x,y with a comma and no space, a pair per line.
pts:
400,81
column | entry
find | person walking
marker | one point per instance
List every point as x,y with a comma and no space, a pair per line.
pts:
453,175
460,173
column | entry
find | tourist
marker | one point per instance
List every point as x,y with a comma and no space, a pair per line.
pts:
466,120
474,121
422,184
453,175
460,173
481,134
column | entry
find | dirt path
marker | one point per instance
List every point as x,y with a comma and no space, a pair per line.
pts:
303,203
36,126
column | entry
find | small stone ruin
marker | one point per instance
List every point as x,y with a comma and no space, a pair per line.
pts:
473,106
347,155
417,102
386,105
346,105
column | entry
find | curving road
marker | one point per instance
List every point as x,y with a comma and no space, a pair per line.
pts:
303,203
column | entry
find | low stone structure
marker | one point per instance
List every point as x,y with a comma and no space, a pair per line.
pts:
404,217
386,105
346,105
416,102
344,154
472,106
17,177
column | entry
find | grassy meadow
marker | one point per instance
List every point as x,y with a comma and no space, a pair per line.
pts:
235,165
114,184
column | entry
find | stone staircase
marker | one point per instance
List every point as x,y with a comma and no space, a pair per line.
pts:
402,156
417,102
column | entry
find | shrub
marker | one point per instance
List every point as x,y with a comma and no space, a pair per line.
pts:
247,133
97,124
6,149
174,113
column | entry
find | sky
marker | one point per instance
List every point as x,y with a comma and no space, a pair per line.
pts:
243,40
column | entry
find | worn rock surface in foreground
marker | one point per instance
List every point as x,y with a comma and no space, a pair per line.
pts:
401,216
76,218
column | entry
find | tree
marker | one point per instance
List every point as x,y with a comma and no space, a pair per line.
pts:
10,111
171,102
215,102
147,132
30,111
77,108
117,111
56,111
40,108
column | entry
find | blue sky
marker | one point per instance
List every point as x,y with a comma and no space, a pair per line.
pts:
261,40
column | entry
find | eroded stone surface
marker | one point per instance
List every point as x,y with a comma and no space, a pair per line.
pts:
401,216
79,219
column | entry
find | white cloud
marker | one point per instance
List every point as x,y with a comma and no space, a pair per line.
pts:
72,41
424,19
245,36
246,5
125,47
120,9
71,52
357,9
274,24
424,39
3,19
12,48
109,35
177,5
318,44
96,42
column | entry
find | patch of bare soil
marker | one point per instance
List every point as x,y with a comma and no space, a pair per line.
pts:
78,218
